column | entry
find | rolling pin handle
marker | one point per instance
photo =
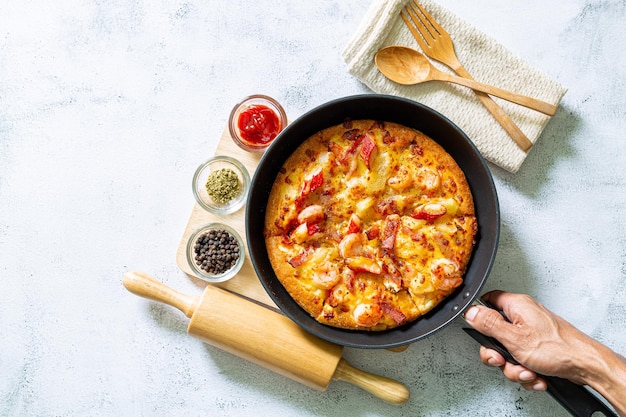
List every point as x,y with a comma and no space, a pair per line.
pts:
148,287
386,389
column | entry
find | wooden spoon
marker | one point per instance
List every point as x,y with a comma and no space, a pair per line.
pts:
407,66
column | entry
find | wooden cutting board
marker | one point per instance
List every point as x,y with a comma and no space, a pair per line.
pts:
245,283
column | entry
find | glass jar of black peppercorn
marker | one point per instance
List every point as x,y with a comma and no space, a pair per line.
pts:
215,252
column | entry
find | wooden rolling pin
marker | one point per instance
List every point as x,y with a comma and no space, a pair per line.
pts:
264,337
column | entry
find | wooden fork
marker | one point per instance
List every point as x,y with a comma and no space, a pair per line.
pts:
437,44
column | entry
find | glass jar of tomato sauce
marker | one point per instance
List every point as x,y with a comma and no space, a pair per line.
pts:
256,121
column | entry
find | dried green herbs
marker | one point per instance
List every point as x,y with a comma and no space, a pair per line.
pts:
223,185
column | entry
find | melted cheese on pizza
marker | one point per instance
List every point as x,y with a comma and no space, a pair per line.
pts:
369,225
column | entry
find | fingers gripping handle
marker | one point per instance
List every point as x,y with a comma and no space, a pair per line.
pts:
574,398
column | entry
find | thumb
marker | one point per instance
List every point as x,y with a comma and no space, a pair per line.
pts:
489,322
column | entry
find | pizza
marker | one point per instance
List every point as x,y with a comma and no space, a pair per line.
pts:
369,225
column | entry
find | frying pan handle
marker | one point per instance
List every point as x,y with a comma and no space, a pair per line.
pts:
386,389
574,398
146,286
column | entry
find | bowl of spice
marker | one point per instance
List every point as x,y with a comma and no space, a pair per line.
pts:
215,252
220,185
256,121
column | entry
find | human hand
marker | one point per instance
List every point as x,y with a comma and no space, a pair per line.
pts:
538,339
544,343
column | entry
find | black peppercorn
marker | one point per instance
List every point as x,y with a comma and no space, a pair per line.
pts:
216,251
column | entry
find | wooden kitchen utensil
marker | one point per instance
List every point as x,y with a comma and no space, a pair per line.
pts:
264,337
408,66
437,44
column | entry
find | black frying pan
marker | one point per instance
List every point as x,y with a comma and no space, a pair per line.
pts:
411,114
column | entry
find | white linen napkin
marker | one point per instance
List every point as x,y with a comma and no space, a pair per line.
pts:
483,57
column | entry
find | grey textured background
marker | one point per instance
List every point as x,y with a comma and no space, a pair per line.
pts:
107,108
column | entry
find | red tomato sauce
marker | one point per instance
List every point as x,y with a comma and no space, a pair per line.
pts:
258,124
